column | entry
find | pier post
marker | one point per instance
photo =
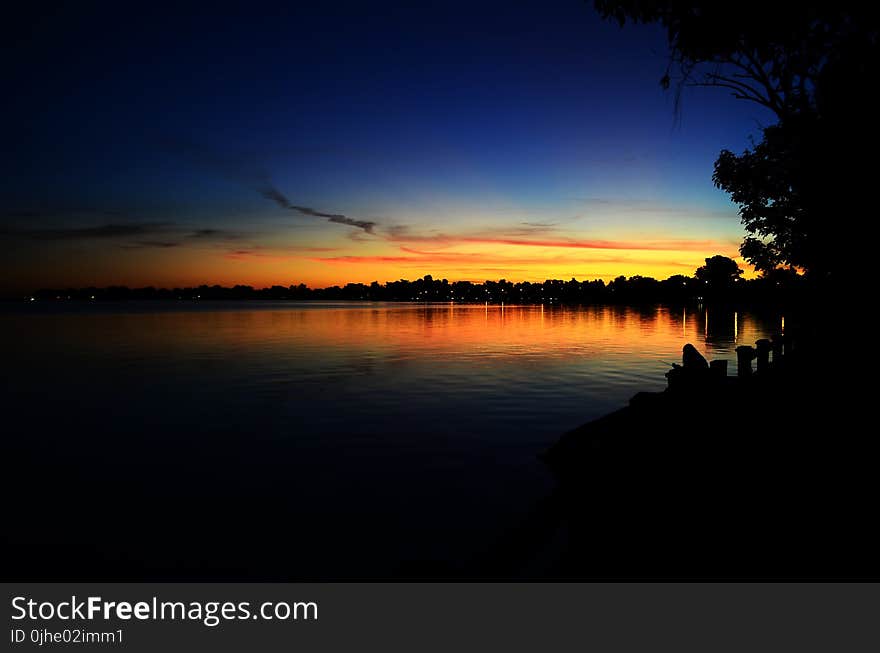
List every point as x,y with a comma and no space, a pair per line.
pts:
787,344
778,348
763,347
718,369
744,356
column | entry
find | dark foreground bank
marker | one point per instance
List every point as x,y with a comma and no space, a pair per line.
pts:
769,475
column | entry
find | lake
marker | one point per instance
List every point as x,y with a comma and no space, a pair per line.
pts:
308,440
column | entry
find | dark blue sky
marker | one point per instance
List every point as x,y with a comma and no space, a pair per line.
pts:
435,121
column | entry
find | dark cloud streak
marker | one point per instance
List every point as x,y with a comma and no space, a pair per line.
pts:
32,214
242,171
214,234
136,235
272,193
143,244
108,231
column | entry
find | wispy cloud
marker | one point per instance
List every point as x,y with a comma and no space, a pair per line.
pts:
540,225
513,237
54,212
262,253
144,244
459,258
257,255
242,171
652,206
658,245
272,193
131,235
214,234
105,231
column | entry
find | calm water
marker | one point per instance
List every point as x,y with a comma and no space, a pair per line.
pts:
321,439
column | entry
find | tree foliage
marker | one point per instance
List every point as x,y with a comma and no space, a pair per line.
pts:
719,273
763,181
815,67
775,54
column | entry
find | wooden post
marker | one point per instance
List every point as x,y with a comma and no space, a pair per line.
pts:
718,369
787,344
763,347
744,356
778,342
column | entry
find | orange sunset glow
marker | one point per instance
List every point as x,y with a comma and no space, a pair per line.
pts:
335,260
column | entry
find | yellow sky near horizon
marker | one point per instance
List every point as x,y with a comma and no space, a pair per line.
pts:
456,259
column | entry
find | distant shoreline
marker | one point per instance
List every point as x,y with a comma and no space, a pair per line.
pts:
678,289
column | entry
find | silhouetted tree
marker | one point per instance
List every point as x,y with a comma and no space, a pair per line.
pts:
815,68
775,54
719,273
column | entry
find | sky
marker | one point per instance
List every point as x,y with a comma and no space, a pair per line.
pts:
341,143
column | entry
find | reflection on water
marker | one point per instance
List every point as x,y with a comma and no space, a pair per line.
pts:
423,420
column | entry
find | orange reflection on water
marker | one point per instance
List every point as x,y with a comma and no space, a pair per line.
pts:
429,334
451,328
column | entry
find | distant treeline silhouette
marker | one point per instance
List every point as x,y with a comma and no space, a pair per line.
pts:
719,279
